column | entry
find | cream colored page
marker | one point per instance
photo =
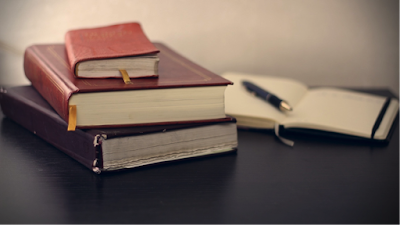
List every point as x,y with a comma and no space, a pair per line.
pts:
239,102
336,110
388,119
146,106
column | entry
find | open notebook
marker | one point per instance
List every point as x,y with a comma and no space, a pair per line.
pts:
324,109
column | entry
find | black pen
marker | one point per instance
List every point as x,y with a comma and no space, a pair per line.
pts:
266,96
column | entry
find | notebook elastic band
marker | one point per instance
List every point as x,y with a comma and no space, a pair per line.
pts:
380,117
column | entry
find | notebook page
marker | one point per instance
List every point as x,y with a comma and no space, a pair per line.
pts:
336,110
387,120
240,103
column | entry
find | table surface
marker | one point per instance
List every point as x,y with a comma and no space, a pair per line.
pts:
319,180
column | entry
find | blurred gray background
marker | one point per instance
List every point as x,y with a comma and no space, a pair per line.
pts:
348,43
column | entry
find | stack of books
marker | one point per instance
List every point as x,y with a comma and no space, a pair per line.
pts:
113,100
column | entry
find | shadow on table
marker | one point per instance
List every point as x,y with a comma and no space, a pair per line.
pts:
44,185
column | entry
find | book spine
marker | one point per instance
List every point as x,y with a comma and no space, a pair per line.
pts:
70,52
47,125
47,82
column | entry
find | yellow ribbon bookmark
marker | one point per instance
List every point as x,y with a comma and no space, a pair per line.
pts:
72,118
125,76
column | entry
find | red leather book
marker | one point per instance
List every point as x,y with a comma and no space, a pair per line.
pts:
117,148
184,91
111,42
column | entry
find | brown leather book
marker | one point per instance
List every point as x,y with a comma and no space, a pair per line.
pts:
117,148
184,91
100,52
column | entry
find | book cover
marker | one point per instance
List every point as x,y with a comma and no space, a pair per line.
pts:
47,67
25,106
113,41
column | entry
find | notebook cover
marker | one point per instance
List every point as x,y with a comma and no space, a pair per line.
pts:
47,67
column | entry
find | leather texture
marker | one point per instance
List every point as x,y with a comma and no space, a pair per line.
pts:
26,106
46,66
107,42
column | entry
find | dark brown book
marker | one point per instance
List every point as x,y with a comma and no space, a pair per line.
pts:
101,51
117,148
184,91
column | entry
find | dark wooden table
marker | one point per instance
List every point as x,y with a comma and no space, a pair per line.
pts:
319,180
